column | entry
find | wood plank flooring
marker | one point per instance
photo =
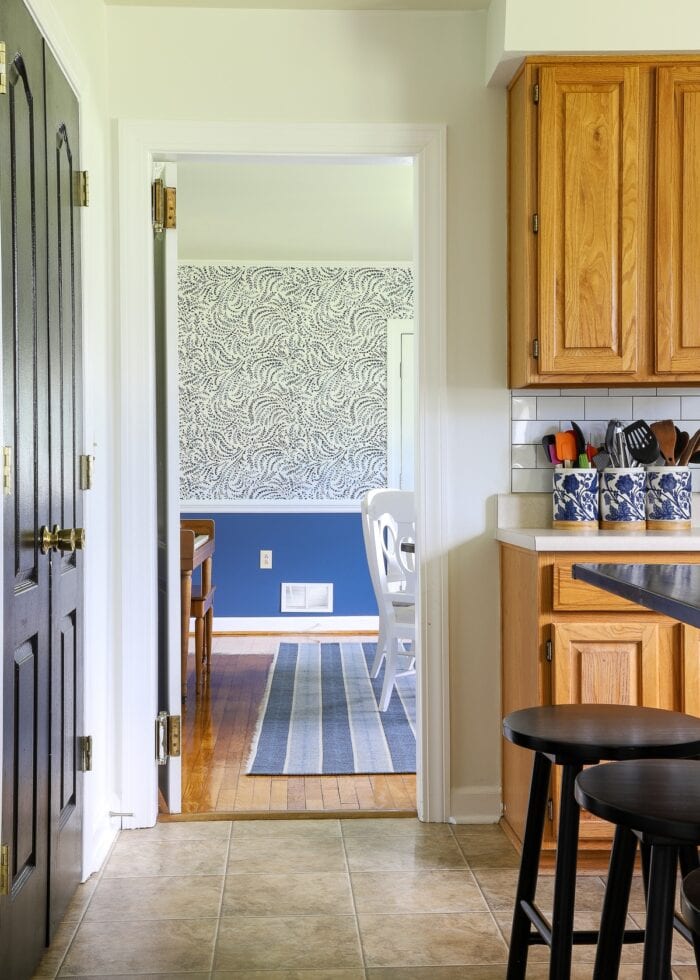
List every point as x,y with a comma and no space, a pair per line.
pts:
218,728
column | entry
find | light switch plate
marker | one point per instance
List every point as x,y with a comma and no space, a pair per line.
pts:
266,559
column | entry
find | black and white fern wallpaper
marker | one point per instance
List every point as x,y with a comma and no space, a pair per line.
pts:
283,379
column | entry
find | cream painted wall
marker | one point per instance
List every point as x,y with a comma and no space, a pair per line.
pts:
295,211
76,33
550,26
408,67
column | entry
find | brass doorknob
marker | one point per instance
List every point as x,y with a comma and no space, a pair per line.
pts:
67,539
47,540
79,538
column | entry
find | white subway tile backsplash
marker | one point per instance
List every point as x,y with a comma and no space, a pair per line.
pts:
531,432
679,391
543,460
524,457
531,481
690,408
604,409
558,408
637,391
584,391
539,392
523,408
651,409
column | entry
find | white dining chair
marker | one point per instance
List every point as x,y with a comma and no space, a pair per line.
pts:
389,529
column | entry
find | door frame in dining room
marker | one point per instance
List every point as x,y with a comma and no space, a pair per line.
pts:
141,142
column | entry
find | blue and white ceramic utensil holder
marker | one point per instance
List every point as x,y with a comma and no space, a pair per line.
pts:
622,499
669,496
575,499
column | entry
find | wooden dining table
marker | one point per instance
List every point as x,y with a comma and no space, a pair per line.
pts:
196,549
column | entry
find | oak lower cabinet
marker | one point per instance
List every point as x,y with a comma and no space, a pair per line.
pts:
566,642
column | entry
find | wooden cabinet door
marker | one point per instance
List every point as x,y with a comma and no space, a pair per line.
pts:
690,670
678,219
604,663
588,216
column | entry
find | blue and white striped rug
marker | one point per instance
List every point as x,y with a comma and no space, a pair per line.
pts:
320,715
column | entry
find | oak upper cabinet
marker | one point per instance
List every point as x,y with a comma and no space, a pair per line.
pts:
604,203
678,219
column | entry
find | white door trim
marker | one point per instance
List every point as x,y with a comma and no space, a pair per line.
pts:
140,142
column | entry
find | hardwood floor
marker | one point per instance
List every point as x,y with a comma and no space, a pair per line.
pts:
217,731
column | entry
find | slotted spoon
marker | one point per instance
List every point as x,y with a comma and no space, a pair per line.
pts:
642,442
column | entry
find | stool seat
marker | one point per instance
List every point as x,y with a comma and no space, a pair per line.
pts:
659,798
587,733
690,900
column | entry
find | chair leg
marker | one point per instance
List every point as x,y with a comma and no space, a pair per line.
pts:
209,632
392,653
689,862
198,651
565,877
615,903
659,927
381,649
529,866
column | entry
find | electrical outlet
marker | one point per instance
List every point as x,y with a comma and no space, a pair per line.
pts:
266,559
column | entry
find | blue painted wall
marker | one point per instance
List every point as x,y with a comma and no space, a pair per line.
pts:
305,548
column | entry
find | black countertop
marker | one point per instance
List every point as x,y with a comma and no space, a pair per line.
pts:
673,590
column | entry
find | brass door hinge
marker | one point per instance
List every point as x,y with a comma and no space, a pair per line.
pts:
163,206
4,869
536,94
3,69
550,809
81,188
7,470
85,753
87,468
535,348
535,223
548,651
167,736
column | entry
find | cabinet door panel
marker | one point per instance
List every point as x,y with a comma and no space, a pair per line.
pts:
604,663
690,688
588,206
678,219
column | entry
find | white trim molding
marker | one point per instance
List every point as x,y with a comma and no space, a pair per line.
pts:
269,506
286,625
140,143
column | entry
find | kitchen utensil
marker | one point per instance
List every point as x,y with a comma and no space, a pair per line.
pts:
621,456
610,437
550,449
693,444
665,432
681,442
566,448
580,439
591,452
641,442
601,460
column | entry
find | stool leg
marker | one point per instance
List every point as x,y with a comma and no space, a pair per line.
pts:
529,866
565,877
659,928
617,894
689,862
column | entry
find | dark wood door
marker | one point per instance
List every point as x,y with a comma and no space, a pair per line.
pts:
42,592
65,418
26,580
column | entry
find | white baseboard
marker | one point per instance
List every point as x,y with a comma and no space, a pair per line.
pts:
101,842
475,804
296,624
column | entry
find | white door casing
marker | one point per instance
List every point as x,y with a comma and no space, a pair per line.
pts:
400,404
141,142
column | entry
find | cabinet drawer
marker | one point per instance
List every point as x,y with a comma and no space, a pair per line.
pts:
572,595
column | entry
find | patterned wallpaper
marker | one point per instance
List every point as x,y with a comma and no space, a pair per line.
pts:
283,379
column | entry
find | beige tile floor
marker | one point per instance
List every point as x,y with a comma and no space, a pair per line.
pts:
372,899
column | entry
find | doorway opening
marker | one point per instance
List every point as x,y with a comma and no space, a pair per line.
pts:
284,330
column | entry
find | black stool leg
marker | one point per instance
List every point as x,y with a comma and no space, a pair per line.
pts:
689,862
529,866
565,877
617,894
659,928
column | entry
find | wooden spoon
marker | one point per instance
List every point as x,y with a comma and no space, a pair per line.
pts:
665,432
689,449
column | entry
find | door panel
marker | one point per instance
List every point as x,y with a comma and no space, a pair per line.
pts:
588,211
64,308
677,217
26,634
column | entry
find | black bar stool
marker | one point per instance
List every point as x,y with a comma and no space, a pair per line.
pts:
690,901
574,736
658,803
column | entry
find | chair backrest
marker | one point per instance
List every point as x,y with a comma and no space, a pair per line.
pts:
388,521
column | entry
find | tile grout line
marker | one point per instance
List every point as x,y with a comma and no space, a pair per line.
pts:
482,893
221,903
354,903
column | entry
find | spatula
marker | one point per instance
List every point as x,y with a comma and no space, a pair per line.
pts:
566,448
642,442
665,432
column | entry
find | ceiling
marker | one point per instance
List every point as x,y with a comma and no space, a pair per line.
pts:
429,5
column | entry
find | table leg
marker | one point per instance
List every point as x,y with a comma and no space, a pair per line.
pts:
185,603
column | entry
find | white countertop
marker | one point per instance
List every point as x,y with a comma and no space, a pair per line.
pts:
551,539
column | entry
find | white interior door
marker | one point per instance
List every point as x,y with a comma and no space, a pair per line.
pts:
401,404
168,481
